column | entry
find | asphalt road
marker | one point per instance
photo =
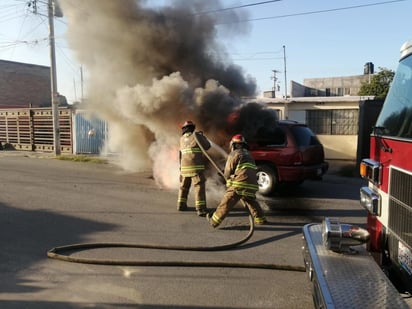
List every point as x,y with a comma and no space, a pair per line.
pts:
46,203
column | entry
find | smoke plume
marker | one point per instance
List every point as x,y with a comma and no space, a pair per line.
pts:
150,69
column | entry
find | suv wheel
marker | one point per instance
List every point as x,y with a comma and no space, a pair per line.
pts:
267,179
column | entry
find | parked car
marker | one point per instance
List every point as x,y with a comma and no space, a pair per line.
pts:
289,153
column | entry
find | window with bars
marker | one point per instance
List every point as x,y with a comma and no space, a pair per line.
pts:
333,122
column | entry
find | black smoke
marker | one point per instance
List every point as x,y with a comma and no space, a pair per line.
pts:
148,69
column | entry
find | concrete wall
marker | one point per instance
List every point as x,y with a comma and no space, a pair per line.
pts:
348,85
297,90
22,84
339,147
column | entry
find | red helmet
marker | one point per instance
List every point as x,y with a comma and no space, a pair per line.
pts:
188,123
238,138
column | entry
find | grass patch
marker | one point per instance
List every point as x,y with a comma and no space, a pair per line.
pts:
81,158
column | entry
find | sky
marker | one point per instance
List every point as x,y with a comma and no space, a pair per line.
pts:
311,39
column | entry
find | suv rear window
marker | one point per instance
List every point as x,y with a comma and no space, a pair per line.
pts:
304,136
274,136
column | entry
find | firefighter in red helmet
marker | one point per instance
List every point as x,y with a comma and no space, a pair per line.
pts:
192,168
241,184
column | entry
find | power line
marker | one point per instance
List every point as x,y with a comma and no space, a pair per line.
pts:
12,11
315,12
252,58
68,61
261,58
34,28
235,7
259,53
7,18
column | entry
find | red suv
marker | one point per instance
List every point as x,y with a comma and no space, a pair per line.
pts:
287,154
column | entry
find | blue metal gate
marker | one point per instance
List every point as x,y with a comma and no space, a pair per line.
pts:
90,133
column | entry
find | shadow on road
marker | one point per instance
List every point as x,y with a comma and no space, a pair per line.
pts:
26,236
331,187
77,305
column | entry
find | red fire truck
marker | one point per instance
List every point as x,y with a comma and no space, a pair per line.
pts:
345,272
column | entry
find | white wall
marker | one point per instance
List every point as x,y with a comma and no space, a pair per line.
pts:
339,147
299,116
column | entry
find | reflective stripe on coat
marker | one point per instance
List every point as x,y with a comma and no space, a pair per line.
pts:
191,156
240,173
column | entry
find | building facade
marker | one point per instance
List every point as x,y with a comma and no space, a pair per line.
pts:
335,120
334,86
24,85
331,107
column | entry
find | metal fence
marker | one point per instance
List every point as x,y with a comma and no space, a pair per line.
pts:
334,121
31,129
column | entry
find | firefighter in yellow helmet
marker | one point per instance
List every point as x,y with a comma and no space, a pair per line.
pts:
241,184
192,168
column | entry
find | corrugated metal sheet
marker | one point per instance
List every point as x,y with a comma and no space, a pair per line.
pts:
90,133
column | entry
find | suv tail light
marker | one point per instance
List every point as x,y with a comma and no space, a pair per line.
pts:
375,231
297,158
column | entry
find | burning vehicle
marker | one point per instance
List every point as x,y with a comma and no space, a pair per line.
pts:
290,154
286,152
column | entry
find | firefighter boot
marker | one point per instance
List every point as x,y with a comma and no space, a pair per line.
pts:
211,218
260,220
202,212
181,207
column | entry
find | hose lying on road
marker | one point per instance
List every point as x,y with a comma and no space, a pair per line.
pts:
57,252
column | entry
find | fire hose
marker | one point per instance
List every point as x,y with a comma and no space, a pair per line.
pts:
62,253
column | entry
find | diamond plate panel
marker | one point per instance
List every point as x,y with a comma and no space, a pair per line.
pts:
353,280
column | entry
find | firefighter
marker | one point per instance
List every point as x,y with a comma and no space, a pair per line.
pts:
192,168
241,184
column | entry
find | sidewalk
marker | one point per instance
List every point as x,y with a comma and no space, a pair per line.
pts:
342,167
29,154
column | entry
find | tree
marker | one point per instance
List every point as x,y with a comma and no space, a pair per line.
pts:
379,84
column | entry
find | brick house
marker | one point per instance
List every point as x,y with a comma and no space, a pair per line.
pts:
24,85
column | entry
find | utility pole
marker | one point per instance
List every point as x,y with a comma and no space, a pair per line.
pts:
284,62
81,84
274,82
53,81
